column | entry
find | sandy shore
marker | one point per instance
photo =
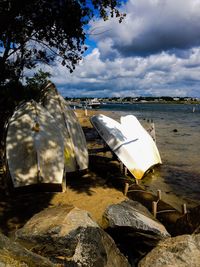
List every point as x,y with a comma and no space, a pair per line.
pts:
92,192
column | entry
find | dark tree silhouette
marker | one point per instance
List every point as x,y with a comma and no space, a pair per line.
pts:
44,31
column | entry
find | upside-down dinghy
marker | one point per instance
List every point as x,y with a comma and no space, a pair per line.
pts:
75,146
34,147
131,143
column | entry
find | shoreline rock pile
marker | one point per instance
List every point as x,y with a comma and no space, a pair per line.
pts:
67,236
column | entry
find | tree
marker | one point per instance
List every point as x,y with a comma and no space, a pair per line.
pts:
44,31
35,84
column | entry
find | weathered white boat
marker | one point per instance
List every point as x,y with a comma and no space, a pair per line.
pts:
34,147
75,151
149,154
129,141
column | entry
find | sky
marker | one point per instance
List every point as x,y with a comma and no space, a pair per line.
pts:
155,51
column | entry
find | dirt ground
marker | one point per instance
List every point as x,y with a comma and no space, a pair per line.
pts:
93,191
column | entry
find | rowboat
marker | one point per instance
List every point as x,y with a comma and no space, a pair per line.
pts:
34,147
75,146
131,143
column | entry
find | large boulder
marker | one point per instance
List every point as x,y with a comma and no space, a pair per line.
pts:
13,255
178,251
133,215
68,235
133,228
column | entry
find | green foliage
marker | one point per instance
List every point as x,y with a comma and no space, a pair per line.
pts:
15,92
45,30
35,84
42,31
167,98
38,81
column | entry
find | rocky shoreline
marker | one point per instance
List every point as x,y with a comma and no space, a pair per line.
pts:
93,223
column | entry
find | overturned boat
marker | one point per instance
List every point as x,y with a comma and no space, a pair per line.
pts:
131,143
75,146
34,148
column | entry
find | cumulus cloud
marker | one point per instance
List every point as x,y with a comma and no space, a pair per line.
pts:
154,52
151,26
157,74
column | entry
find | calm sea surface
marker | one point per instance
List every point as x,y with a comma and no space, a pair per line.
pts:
178,140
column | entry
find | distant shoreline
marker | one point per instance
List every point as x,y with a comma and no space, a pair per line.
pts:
142,102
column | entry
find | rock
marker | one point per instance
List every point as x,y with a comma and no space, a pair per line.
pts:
168,219
189,223
178,251
68,235
131,214
133,228
14,255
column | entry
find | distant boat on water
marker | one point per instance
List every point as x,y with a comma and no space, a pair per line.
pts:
92,103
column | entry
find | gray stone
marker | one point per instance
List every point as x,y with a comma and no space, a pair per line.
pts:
14,255
68,235
178,251
133,228
134,216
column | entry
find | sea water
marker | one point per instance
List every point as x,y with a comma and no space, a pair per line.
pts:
178,140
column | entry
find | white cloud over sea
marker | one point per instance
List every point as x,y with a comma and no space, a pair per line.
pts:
154,51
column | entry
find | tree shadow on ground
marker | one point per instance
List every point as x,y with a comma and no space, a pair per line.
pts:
17,208
103,172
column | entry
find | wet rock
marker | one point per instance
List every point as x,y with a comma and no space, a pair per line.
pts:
178,251
68,235
189,223
133,228
13,255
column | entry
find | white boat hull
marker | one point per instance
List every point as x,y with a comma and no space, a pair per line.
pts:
34,147
130,142
75,152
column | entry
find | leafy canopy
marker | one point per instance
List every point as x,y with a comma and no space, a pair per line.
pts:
44,31
35,84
